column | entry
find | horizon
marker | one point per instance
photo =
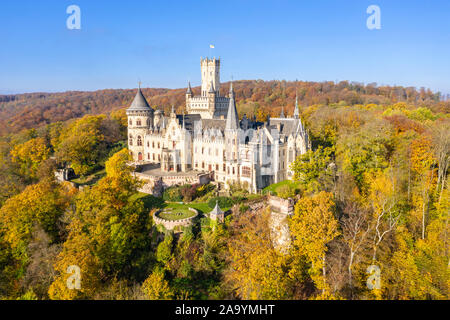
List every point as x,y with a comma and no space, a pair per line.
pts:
443,95
122,43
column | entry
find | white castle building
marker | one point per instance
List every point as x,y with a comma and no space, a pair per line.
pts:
209,142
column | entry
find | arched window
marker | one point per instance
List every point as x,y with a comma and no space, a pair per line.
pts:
139,141
130,142
138,122
131,122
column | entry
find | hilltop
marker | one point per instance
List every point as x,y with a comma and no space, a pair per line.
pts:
254,97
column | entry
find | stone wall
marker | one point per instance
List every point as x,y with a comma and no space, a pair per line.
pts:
163,182
172,224
281,205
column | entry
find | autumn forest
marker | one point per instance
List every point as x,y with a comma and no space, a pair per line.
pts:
371,193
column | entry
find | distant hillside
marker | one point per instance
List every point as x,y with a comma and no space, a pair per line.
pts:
254,97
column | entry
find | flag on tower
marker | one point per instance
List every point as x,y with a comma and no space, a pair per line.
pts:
211,46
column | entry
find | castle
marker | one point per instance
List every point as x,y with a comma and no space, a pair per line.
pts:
209,142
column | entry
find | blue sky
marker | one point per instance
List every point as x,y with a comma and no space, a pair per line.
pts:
160,42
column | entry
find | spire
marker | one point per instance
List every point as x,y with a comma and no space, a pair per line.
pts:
282,112
296,112
232,117
189,89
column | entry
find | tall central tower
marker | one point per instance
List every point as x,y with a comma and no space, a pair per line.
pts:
209,104
210,75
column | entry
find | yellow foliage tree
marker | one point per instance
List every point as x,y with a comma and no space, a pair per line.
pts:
257,270
156,287
29,156
313,226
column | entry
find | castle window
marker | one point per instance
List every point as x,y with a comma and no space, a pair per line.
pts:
234,171
159,157
130,142
131,122
148,144
158,145
224,167
138,122
153,157
203,149
246,172
153,144
203,165
139,141
217,167
148,156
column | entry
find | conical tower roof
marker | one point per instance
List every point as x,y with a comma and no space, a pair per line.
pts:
189,89
232,117
216,210
139,103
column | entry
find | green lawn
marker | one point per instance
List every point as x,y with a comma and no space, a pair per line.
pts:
151,202
274,186
176,214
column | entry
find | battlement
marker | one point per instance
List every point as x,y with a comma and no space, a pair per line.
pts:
210,62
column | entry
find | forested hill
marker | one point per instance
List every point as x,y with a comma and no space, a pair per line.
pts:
254,97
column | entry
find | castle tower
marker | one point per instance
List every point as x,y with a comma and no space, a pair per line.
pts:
210,75
189,93
140,120
231,139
